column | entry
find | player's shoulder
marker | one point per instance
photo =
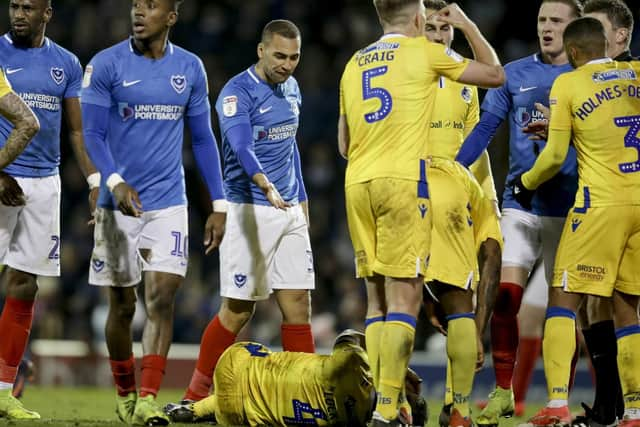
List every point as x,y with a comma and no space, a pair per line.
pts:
64,53
113,53
185,55
525,63
245,82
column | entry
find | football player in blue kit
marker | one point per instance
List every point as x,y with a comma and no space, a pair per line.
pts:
136,97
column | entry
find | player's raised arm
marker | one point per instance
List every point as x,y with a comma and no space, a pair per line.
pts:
486,70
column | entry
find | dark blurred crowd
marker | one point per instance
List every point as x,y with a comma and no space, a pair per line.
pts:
224,33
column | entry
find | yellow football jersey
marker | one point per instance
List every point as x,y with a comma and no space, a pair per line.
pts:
600,104
5,86
387,94
287,388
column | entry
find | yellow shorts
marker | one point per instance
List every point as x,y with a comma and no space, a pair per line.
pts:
454,259
390,226
599,251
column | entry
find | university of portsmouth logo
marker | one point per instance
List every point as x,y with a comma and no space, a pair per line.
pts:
178,83
125,111
57,74
240,280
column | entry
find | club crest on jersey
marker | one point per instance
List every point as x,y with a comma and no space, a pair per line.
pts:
178,83
466,94
57,74
230,106
125,111
240,280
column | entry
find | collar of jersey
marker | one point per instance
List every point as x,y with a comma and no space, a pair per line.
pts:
45,42
599,61
132,47
256,77
392,35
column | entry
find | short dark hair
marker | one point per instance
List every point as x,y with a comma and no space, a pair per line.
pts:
391,11
435,4
575,5
587,36
281,27
616,10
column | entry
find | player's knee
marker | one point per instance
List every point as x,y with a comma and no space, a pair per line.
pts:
296,308
21,285
599,309
234,314
123,309
160,301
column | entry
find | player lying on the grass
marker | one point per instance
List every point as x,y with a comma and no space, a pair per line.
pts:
596,108
254,386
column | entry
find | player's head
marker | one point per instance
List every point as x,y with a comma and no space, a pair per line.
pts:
279,50
152,19
28,19
585,40
401,15
553,17
617,19
435,30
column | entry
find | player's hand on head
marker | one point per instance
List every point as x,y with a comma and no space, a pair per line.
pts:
522,194
10,191
453,15
214,230
127,200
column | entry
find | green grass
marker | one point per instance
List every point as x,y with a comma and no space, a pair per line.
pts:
96,407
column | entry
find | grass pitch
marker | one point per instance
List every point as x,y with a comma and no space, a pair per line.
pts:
79,407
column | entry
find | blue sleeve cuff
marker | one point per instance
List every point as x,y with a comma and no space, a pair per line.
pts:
206,154
479,138
95,120
240,138
302,192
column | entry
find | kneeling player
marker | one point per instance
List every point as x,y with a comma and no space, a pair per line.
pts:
254,386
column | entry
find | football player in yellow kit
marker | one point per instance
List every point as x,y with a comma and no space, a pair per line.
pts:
596,107
255,386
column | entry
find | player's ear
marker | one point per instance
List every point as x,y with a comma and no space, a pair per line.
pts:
260,50
172,19
48,13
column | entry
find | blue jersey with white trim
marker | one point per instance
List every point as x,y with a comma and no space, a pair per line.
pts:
147,100
272,112
529,80
43,77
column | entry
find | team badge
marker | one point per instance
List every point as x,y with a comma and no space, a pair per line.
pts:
86,80
466,94
125,111
179,83
230,106
97,265
240,280
57,74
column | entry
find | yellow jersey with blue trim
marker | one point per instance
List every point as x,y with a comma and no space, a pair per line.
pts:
599,103
5,86
387,94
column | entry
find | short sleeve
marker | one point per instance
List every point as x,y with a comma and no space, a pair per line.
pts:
560,104
473,112
233,106
498,101
97,82
445,61
342,107
74,85
5,86
199,98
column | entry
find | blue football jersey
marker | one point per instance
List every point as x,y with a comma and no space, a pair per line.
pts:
43,77
529,80
272,112
148,99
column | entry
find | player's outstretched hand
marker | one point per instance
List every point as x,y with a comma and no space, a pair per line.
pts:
274,197
214,231
539,130
522,194
432,314
453,15
10,191
127,200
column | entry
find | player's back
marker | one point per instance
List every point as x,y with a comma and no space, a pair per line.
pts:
603,100
387,94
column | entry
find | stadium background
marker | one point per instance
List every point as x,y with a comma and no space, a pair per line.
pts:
224,34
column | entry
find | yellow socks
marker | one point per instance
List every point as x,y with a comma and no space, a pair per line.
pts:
448,391
558,346
372,332
396,346
461,350
629,368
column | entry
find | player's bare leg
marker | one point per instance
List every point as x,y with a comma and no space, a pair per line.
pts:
219,334
122,307
374,323
627,323
295,306
15,325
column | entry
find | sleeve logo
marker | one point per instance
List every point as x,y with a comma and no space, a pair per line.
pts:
229,106
57,74
466,94
453,55
86,80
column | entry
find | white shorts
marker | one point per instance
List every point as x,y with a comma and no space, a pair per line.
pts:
118,239
528,237
263,249
537,292
30,234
